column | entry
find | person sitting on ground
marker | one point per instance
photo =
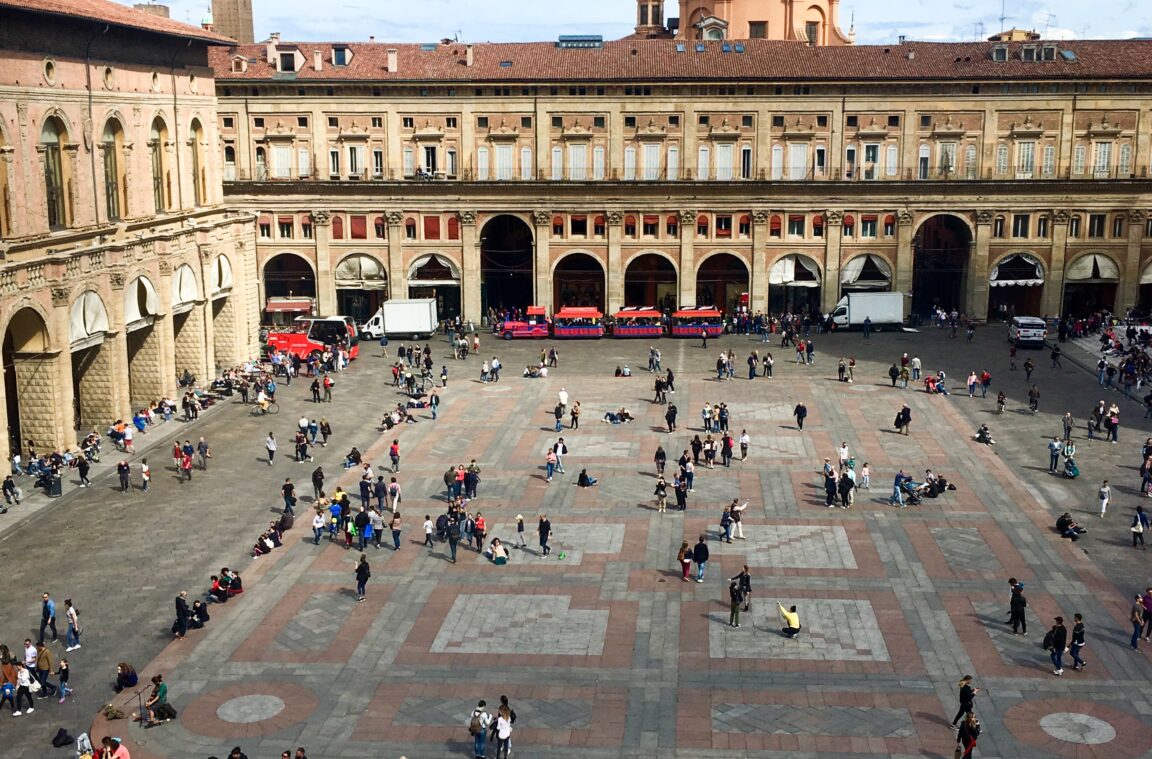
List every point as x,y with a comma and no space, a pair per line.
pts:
626,372
584,480
532,372
353,458
126,677
1067,527
619,371
984,435
497,553
275,535
199,616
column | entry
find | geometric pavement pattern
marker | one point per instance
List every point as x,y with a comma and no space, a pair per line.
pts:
524,624
561,714
866,721
831,630
799,547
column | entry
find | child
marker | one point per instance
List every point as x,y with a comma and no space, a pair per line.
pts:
428,526
865,477
62,673
146,480
520,542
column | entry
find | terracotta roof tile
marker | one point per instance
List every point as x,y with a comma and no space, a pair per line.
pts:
114,13
659,60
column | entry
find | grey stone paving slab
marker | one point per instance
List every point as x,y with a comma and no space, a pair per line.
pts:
963,547
314,626
553,714
832,630
525,624
798,546
872,722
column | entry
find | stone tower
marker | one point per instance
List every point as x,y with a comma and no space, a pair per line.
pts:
812,21
233,18
649,18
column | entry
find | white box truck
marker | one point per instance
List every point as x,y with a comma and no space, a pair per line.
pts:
884,309
414,319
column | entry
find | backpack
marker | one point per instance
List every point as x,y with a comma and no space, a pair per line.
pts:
1049,640
475,727
62,738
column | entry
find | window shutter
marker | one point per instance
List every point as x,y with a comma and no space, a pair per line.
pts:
629,163
702,161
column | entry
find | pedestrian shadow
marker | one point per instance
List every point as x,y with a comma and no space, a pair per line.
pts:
655,428
647,506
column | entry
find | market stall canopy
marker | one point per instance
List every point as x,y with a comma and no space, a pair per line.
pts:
1093,268
784,272
289,305
89,321
1020,269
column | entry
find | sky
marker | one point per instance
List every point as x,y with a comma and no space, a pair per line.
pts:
876,21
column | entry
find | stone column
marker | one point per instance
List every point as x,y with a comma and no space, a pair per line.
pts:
615,271
686,276
42,417
902,276
1129,290
1053,302
397,272
758,285
830,289
162,334
542,260
977,305
188,343
116,345
470,268
325,280
65,401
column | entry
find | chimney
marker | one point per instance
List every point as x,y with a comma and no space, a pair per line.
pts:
318,60
273,41
468,55
371,37
392,63
900,40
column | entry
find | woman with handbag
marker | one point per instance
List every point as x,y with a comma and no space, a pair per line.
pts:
26,685
684,556
967,699
1139,527
966,739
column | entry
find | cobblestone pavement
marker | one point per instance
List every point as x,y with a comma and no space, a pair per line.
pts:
601,648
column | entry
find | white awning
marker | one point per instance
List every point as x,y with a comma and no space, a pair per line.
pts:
853,270
221,277
361,271
185,290
1093,267
140,303
783,272
1146,277
444,261
1019,261
89,321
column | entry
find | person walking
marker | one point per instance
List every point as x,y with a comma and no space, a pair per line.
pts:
684,556
1056,643
1139,527
967,700
72,634
904,419
801,413
288,491
736,599
363,572
1034,398
478,724
1077,645
561,450
318,523
1016,606
1055,447
700,556
395,526
544,529
47,617
124,471
62,674
394,455
744,579
1104,495
270,446
203,453
502,729
428,528
969,732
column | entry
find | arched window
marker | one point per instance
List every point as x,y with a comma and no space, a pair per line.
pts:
337,228
261,164
53,138
229,163
410,228
161,182
115,184
629,226
453,228
702,225
672,226
379,227
199,178
774,225
557,226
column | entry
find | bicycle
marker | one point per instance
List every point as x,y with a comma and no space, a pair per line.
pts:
273,408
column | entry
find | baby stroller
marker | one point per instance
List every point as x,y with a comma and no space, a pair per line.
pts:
1071,471
911,497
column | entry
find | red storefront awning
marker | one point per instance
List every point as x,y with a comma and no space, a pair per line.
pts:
289,305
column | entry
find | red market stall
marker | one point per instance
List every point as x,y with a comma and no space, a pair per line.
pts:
573,321
638,321
690,322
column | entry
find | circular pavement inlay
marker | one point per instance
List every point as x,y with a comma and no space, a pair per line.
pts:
248,709
1077,728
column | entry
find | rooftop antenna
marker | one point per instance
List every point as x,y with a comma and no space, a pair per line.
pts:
978,29
1049,18
1002,16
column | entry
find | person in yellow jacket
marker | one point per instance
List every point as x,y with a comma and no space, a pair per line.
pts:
791,620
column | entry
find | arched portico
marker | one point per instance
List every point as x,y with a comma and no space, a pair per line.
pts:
578,280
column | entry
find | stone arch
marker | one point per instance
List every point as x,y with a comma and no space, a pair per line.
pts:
141,303
221,281
189,341
31,373
88,319
185,289
361,285
289,274
722,278
442,259
867,271
436,275
1091,283
507,262
962,217
1016,282
651,278
795,280
579,278
656,252
941,259
93,371
226,350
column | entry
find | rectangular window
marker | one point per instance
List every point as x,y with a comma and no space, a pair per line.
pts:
482,164
557,164
724,162
339,56
820,165
797,160
894,121
265,230
377,163
288,62
630,226
597,121
1042,227
578,162
796,226
302,122
777,122
228,122
334,163
923,161
746,162
891,161
702,226
358,225
598,163
629,163
1021,225
998,226
333,122
744,228
505,162
380,228
1148,227
1096,223
281,161
1025,159
757,30
650,159
868,226
527,171
889,226
284,227
1079,158
1074,226
947,158
377,122
408,122
1124,168
650,226
306,230
409,162
703,159
481,122
450,122
1102,160
723,226
673,169
355,161
579,225
1049,164
1118,226
630,122
871,161
431,227
599,228
776,170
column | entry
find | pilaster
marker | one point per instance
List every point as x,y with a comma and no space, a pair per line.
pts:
1130,278
686,271
904,234
541,265
977,305
830,291
1053,301
325,282
758,284
397,272
615,272
469,268
65,393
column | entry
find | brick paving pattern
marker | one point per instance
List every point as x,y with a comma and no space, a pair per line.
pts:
606,652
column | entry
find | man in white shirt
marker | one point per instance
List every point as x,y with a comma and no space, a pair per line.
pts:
563,396
478,723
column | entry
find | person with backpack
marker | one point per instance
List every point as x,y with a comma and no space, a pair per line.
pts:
736,597
453,537
478,724
1056,642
